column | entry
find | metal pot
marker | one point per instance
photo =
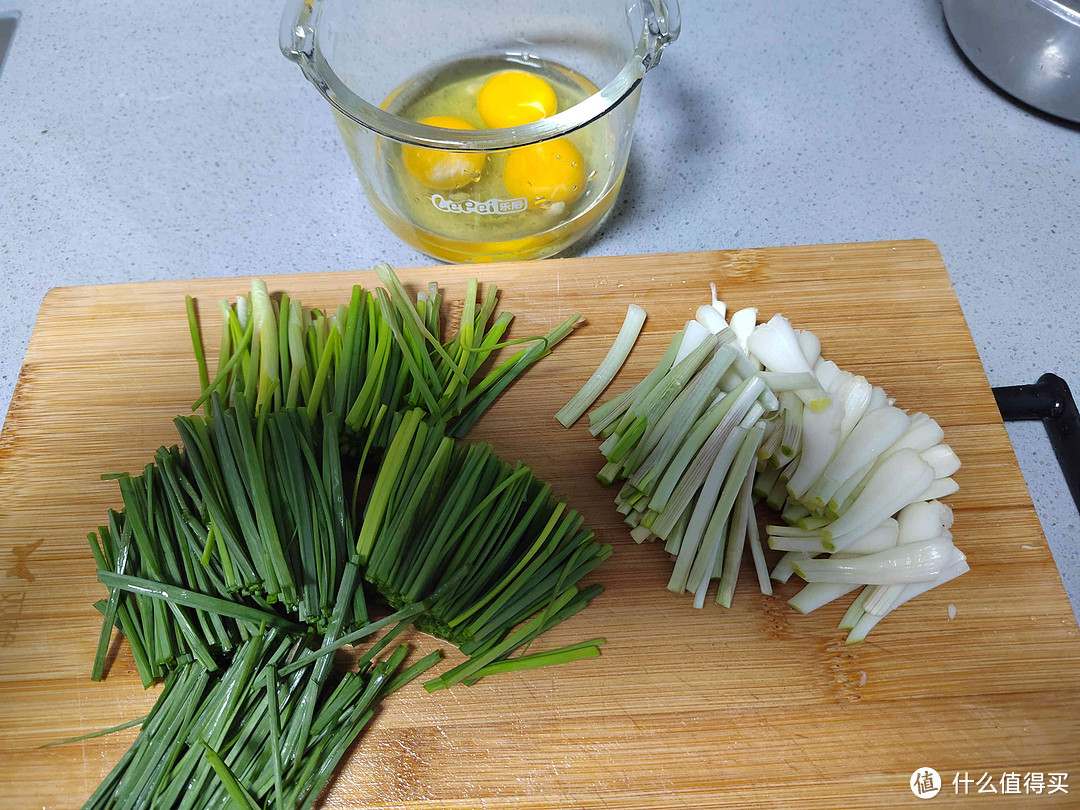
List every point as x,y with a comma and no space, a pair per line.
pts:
1028,48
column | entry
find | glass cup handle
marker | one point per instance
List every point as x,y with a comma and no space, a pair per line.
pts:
296,34
662,25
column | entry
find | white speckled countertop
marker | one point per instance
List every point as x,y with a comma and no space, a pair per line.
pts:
146,141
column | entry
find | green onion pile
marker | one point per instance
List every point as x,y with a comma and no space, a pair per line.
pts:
325,472
739,413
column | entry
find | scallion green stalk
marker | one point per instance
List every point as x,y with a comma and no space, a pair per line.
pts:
608,368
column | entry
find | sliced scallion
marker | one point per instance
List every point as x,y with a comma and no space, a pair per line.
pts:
608,368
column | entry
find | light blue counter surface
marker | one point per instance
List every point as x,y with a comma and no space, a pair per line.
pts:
165,141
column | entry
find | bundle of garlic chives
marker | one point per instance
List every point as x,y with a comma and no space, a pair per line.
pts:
249,527
249,735
440,512
383,350
240,529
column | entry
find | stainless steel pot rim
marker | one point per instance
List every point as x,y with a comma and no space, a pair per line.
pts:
1060,9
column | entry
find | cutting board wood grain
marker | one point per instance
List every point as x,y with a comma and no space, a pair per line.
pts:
752,706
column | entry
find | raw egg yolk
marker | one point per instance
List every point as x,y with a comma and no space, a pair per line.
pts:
439,169
546,173
513,98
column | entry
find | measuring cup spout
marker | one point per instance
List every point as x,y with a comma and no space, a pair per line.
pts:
662,25
296,33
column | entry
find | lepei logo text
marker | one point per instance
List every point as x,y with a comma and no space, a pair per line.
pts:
492,206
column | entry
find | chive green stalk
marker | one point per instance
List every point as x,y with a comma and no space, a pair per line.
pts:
138,721
562,655
186,598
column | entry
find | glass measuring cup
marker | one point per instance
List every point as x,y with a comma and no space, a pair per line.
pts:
466,186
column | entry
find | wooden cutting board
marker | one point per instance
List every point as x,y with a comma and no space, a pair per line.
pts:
752,706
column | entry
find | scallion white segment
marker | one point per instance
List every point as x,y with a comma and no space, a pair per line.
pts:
737,413
605,373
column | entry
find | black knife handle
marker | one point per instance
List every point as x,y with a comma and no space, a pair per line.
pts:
1050,401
